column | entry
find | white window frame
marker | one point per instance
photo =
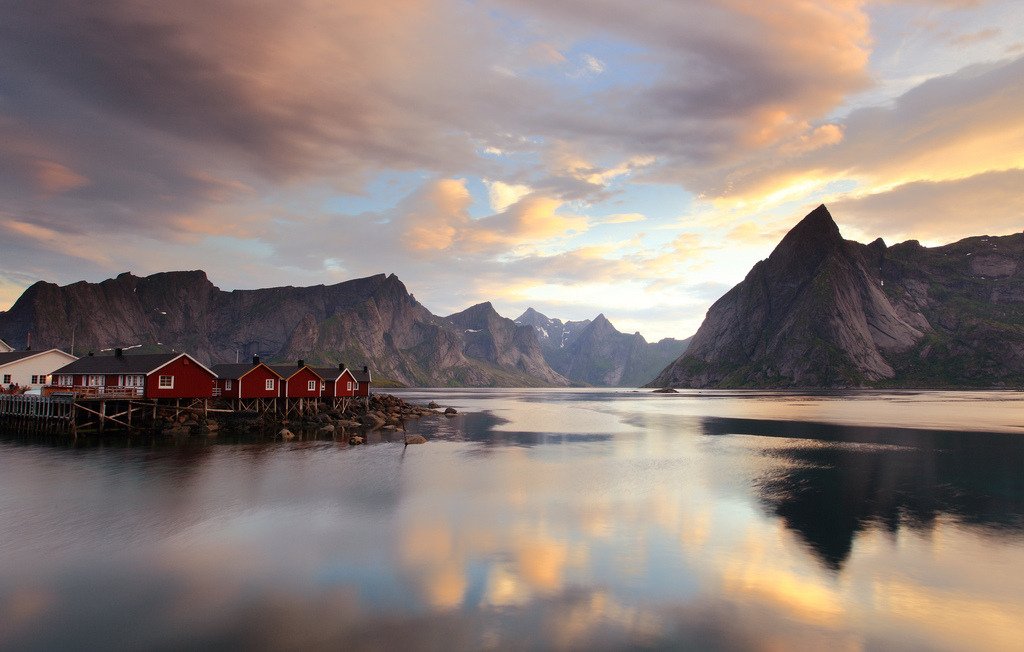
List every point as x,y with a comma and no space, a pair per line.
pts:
323,385
96,380
311,386
269,385
66,380
162,385
349,389
134,380
228,385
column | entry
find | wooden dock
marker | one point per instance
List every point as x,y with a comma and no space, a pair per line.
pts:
77,412
54,413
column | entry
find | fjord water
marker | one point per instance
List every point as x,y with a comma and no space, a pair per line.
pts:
577,519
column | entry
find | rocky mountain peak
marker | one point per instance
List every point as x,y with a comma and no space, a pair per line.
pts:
824,312
476,317
816,232
601,326
533,318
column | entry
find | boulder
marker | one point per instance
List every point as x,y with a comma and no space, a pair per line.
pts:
355,440
286,434
451,410
432,405
415,439
327,429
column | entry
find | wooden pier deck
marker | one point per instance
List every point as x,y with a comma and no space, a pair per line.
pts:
82,410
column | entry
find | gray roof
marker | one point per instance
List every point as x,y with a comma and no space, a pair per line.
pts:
236,370
8,357
126,364
287,371
14,356
329,373
362,376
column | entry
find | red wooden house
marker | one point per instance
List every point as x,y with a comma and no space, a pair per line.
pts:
247,381
365,378
338,382
157,375
299,381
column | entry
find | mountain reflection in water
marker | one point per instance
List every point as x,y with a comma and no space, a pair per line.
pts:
574,519
839,480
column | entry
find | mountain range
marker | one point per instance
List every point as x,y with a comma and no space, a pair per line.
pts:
594,352
824,312
373,321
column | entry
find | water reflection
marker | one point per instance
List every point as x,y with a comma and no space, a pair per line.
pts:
668,528
837,481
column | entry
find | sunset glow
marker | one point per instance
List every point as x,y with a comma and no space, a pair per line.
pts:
575,156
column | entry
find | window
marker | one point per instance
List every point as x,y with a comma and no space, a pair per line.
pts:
35,380
227,385
97,381
270,383
311,385
323,385
134,381
349,386
65,381
7,379
166,382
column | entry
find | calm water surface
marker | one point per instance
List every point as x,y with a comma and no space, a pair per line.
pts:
537,519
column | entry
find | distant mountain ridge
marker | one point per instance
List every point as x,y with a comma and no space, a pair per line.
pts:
553,334
373,321
594,352
822,311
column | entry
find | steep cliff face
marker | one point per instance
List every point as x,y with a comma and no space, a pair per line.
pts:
372,320
824,312
594,352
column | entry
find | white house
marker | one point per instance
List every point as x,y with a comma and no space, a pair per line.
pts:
5,347
31,368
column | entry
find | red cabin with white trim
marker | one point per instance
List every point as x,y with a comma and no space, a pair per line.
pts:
339,382
364,379
247,381
158,375
299,381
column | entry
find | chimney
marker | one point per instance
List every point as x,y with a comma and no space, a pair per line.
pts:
28,345
255,360
119,352
90,354
341,366
302,363
366,369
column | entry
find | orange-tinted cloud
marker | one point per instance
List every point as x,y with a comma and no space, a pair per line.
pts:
52,177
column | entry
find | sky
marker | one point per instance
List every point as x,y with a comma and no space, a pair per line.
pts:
577,156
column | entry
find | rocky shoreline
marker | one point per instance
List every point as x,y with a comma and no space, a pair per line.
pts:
383,413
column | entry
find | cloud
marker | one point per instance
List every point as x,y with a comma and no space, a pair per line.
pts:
502,195
940,211
946,128
976,37
52,177
34,235
221,134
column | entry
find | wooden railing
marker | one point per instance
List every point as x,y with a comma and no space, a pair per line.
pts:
36,407
90,392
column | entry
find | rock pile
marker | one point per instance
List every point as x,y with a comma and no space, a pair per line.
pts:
383,412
